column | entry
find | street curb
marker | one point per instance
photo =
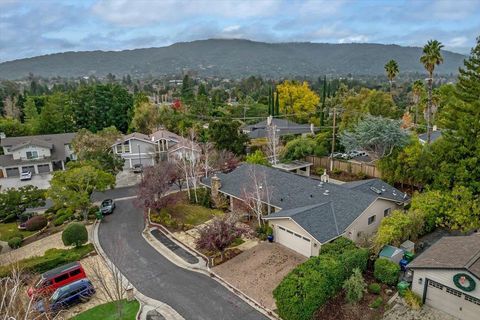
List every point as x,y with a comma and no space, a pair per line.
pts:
164,309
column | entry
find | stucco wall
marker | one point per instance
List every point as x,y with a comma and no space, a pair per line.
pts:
22,153
444,277
360,225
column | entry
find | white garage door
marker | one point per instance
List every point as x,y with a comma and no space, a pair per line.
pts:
452,301
293,241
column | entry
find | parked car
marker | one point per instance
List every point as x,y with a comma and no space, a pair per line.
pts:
66,296
26,175
56,278
336,155
345,156
107,206
137,168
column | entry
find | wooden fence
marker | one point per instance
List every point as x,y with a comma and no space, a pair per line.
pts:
350,166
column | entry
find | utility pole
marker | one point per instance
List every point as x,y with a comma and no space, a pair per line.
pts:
333,136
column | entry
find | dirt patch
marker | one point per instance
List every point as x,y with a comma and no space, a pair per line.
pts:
259,270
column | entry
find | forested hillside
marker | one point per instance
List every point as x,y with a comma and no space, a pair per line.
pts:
230,58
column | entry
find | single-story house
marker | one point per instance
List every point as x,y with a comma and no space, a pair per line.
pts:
138,148
447,276
37,154
306,213
282,126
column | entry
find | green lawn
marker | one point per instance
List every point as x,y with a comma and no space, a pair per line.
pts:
10,230
108,311
192,214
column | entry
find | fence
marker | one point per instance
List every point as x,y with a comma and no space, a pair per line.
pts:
349,166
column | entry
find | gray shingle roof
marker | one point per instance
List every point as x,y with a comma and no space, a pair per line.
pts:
462,252
285,127
386,191
434,136
304,199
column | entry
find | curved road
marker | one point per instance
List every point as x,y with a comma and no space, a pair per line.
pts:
191,294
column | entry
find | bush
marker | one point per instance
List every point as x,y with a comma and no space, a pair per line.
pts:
376,303
36,223
204,197
164,218
336,171
51,259
413,300
354,286
375,288
264,231
75,234
386,271
60,220
25,216
10,218
15,242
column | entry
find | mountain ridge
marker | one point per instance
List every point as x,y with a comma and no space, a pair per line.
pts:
233,58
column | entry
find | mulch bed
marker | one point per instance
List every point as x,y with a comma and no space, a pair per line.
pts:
338,308
229,254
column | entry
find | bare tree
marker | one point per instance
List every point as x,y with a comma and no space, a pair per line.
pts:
273,142
257,193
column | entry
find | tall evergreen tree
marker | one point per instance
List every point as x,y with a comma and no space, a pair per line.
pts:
277,103
31,116
324,98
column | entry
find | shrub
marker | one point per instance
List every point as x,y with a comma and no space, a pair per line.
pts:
10,218
338,246
264,231
15,242
36,223
164,218
374,288
354,286
75,234
386,271
60,220
51,259
413,300
25,216
376,303
204,197
336,171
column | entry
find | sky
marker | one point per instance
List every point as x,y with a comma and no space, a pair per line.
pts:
36,27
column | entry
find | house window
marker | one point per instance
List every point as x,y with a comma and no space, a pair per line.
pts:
32,154
371,219
386,212
126,147
118,148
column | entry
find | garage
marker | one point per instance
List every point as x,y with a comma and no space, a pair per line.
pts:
451,301
293,240
12,172
43,168
29,168
146,162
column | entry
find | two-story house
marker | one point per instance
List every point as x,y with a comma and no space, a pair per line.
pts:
37,154
138,148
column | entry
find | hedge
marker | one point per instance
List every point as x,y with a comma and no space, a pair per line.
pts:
386,271
75,234
36,223
310,285
15,242
51,259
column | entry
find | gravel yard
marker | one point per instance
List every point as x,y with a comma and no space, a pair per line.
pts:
400,311
258,271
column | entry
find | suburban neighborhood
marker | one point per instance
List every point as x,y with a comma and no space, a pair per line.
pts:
311,173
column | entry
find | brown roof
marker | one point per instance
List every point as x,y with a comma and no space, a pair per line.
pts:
452,253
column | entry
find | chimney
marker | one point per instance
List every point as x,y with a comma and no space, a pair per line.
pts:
312,128
269,120
324,177
434,127
216,185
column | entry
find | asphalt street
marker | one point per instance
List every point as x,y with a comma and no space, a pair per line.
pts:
191,294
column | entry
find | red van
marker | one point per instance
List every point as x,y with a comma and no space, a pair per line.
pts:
56,278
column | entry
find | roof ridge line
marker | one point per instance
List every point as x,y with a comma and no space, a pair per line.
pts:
473,259
334,217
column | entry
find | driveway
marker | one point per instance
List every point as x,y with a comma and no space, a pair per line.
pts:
259,270
42,181
191,294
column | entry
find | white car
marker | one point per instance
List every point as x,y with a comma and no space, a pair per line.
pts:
26,175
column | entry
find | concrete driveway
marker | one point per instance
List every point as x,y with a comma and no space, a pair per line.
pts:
42,181
259,270
191,294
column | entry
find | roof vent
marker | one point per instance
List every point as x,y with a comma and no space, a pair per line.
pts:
394,193
383,189
404,196
281,199
375,190
326,193
320,184
311,196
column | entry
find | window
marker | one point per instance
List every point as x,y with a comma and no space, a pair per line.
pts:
435,284
61,278
371,220
118,148
126,147
32,154
74,272
454,292
306,239
386,212
472,299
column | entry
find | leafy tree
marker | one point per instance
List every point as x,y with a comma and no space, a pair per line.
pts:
31,116
258,157
431,57
75,234
226,135
218,236
56,115
186,91
73,187
301,147
376,135
14,201
13,127
145,118
297,99
391,68
354,286
97,147
395,229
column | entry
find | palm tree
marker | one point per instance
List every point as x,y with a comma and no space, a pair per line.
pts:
417,89
391,68
432,56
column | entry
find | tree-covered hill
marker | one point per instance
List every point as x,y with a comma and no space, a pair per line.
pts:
230,58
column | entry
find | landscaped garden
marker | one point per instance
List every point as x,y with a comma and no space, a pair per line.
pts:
10,230
109,311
